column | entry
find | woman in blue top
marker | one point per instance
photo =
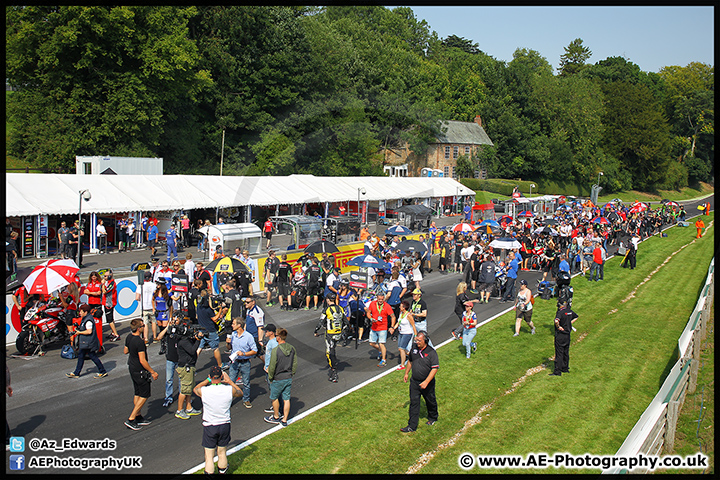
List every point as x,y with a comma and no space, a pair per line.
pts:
162,309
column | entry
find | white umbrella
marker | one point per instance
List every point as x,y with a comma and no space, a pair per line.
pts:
505,243
50,276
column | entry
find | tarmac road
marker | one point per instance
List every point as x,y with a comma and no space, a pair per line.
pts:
47,405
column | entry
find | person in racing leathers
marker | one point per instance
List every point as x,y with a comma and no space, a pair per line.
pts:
332,319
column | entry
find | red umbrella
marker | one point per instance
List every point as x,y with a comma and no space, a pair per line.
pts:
672,204
525,213
50,276
462,227
638,207
505,219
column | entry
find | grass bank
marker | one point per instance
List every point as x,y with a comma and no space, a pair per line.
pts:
627,349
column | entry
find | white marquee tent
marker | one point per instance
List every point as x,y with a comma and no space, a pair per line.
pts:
54,194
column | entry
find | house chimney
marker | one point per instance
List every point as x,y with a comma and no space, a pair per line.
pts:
478,120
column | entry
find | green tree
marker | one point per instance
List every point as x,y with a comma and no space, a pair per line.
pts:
574,58
106,76
467,46
637,134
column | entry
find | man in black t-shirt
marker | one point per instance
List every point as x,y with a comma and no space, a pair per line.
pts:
424,364
284,271
139,370
314,287
564,318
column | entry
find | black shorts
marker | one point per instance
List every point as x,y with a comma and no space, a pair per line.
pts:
268,235
314,289
216,435
151,243
283,289
142,387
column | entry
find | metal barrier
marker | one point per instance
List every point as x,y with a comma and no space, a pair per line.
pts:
655,431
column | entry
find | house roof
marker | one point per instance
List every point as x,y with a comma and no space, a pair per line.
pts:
464,132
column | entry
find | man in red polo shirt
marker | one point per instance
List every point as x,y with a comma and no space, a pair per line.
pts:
379,312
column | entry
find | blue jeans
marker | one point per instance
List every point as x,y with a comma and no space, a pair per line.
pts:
596,267
92,356
169,377
467,339
243,368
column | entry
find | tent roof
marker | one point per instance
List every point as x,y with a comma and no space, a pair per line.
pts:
55,194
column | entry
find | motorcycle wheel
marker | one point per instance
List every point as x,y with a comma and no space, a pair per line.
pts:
25,343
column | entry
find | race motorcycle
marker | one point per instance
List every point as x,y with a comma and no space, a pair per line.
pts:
42,325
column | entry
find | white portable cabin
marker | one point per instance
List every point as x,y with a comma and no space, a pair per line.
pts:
228,236
107,165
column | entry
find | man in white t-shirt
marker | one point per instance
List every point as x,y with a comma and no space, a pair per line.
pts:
144,295
217,392
189,268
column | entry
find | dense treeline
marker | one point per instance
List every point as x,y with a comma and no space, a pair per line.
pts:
323,90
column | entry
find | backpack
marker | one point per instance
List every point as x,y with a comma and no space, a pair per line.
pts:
68,352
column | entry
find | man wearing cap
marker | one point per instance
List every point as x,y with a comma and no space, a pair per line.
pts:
418,308
255,324
380,315
171,239
217,393
332,282
564,319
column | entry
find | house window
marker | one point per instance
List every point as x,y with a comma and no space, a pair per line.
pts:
87,168
467,151
447,153
456,150
446,172
454,174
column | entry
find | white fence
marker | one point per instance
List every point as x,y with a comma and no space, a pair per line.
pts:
655,431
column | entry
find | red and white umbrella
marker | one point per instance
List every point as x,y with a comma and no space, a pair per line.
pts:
638,207
462,227
672,204
50,276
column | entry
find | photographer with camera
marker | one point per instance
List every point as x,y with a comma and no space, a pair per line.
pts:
234,300
208,318
188,341
171,356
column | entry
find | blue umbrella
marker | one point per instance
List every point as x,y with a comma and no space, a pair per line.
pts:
492,223
367,261
398,230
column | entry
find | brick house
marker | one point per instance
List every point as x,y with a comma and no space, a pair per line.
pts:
461,138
